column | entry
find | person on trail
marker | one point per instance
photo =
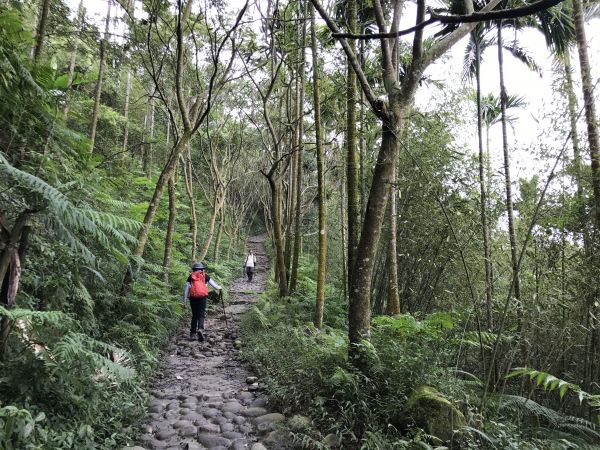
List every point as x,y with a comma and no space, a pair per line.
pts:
197,290
250,264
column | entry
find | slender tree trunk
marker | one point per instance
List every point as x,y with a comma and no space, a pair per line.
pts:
275,185
361,140
300,150
593,347
126,109
393,293
130,9
352,167
147,159
98,88
72,62
343,233
170,227
288,200
589,107
507,184
322,262
40,34
187,174
572,110
219,234
217,205
482,192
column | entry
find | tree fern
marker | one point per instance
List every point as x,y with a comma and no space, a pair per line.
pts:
68,220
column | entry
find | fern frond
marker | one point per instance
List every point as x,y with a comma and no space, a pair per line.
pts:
532,407
76,350
575,426
49,318
66,218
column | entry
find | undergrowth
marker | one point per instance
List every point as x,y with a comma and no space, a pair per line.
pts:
306,372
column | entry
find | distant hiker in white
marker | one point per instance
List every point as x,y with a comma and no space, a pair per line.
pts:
250,265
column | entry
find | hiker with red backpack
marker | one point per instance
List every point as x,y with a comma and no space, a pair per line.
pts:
196,289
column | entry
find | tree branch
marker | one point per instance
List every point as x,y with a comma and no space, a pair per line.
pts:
482,16
369,94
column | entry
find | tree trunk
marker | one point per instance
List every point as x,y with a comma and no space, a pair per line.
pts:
322,262
170,227
300,149
126,110
219,234
217,205
361,140
275,185
98,88
393,293
359,313
71,71
591,362
507,184
487,261
345,287
187,174
40,34
10,271
147,159
352,169
589,106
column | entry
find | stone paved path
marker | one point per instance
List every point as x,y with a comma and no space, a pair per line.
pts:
205,396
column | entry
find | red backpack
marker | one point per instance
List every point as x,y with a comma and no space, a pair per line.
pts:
199,287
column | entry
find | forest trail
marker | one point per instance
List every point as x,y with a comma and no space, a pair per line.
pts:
204,396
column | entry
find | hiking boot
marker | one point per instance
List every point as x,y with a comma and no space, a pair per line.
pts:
200,336
192,336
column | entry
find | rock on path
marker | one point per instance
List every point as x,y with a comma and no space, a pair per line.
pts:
205,396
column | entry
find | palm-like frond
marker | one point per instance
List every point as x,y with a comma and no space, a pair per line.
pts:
520,54
591,10
491,110
557,26
479,36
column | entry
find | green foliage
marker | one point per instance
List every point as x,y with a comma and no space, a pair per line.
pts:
18,429
547,381
307,370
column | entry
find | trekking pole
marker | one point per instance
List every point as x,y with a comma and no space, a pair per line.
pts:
224,312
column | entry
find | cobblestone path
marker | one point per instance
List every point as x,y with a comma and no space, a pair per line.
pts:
205,397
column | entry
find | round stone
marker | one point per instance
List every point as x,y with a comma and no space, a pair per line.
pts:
254,411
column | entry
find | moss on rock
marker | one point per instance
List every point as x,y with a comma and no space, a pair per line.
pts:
434,413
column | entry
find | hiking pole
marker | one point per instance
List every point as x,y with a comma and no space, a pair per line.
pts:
224,312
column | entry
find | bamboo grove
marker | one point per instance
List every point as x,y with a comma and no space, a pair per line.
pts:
160,133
